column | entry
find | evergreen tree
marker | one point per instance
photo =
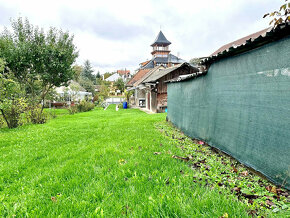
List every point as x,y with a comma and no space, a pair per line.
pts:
88,71
98,75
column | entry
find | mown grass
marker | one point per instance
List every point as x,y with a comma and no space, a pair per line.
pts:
102,163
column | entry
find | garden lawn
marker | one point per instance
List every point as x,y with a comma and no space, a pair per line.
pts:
102,163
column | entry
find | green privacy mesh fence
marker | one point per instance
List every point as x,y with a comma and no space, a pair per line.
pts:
242,107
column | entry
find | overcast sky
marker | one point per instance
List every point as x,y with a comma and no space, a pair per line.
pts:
117,34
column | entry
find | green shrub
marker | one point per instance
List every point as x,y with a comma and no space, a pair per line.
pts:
12,103
36,115
72,109
84,106
120,106
12,110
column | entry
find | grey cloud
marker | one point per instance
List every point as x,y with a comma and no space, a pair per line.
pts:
104,25
212,33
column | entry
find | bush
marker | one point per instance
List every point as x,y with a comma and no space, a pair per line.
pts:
120,106
98,100
72,109
12,110
35,115
84,106
12,103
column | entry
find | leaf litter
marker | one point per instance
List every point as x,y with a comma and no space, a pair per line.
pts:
217,170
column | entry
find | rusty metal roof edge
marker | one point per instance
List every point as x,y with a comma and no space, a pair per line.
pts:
274,34
169,70
186,77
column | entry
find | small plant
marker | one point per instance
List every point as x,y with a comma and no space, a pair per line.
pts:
72,109
35,115
120,106
84,106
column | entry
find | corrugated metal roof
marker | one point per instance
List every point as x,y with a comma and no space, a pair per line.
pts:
250,42
158,74
240,41
186,77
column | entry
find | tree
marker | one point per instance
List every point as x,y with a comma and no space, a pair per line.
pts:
88,71
128,94
119,84
38,60
195,61
77,72
87,84
107,74
281,16
98,75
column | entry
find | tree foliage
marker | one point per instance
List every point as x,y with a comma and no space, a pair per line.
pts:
119,84
128,94
77,69
281,16
98,75
12,102
87,84
38,60
195,61
88,71
107,75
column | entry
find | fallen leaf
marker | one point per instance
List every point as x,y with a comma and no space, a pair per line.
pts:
53,199
245,173
270,203
253,213
225,215
157,153
274,190
237,189
234,169
269,188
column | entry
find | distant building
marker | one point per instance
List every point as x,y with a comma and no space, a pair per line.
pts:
74,92
113,78
123,74
149,83
161,55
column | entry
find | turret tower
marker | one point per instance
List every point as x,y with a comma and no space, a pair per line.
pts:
160,46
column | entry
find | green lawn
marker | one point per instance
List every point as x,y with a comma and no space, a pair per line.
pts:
102,163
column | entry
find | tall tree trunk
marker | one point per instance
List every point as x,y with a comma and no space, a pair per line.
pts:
43,94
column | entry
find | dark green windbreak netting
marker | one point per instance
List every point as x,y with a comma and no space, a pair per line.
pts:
242,107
